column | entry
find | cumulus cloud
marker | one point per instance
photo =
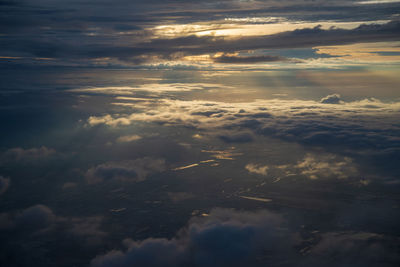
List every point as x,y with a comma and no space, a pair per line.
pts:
328,165
4,184
129,170
223,238
256,168
35,218
226,237
331,99
42,221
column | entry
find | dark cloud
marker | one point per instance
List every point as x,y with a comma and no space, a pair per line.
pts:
233,238
31,236
237,138
354,249
130,170
27,155
4,184
223,238
35,218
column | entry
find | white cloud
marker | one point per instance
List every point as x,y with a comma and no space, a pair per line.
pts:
331,99
328,165
256,168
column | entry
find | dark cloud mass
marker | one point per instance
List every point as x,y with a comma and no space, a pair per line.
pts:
223,238
231,238
4,184
134,170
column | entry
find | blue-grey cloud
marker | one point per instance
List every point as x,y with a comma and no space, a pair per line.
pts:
19,154
4,184
223,238
129,170
28,234
234,238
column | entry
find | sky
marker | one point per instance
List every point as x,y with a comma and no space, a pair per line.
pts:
199,133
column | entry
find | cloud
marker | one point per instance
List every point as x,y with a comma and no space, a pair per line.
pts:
365,130
35,218
366,124
180,196
353,249
154,88
331,99
27,155
4,184
69,185
226,237
128,138
149,36
40,221
317,166
237,138
223,238
257,169
129,170
247,59
312,166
